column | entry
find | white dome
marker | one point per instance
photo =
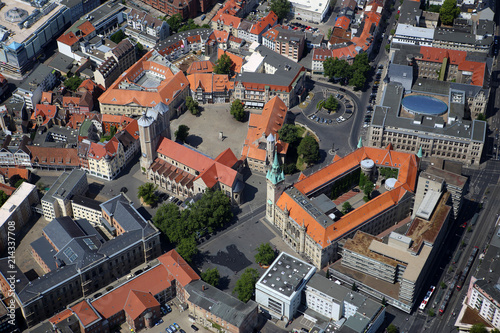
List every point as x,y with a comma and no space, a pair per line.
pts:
390,183
367,164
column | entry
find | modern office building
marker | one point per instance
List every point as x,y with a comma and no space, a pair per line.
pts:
315,11
394,264
16,212
279,290
57,201
430,120
30,90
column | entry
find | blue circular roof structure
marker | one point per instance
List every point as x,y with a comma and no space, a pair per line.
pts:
424,104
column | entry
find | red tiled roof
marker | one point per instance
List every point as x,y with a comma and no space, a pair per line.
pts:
434,54
178,268
267,21
343,22
7,189
11,172
408,168
200,67
56,319
152,281
237,60
68,39
227,19
116,119
220,36
67,100
85,312
90,85
54,156
133,129
227,158
47,111
86,28
478,70
46,97
210,82
166,92
138,302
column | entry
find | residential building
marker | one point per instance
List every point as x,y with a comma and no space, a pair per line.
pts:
30,90
15,152
209,305
24,43
258,28
44,115
16,212
14,118
451,38
145,28
53,158
57,201
395,264
106,159
310,221
117,61
200,67
441,180
210,88
226,22
281,77
408,34
310,11
286,42
454,138
184,172
147,83
81,261
186,9
279,290
185,42
262,141
320,55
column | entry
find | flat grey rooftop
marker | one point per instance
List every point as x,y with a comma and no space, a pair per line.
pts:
35,78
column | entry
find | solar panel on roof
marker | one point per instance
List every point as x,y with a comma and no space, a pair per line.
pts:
70,254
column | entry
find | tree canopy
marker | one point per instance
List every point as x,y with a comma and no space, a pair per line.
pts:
478,328
288,133
211,276
265,254
118,36
237,110
331,103
355,74
174,22
192,105
346,207
223,65
212,211
281,8
449,11
147,193
3,197
187,248
73,82
182,133
309,149
392,329
245,286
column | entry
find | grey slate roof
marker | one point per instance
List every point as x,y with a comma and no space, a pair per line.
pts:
402,74
35,78
81,251
86,202
45,251
410,13
203,32
62,230
63,185
219,303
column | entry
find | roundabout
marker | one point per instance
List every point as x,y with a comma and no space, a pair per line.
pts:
344,111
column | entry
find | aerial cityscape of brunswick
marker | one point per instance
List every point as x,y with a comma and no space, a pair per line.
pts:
249,166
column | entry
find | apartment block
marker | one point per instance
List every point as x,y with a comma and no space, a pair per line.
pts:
118,59
30,89
286,42
86,208
145,28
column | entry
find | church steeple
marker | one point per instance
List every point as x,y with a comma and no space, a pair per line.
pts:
275,174
360,143
420,152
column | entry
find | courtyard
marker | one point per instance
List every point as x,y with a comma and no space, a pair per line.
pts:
205,129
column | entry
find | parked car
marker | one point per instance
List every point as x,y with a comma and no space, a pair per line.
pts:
168,330
173,328
169,309
356,190
194,328
176,326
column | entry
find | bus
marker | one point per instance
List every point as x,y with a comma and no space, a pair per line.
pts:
427,297
474,219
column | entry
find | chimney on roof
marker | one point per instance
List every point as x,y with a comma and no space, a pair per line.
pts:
203,287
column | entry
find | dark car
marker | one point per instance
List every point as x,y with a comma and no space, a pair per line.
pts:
342,89
355,190
124,189
97,295
194,328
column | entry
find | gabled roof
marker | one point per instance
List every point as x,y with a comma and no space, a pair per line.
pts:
85,313
220,36
227,20
138,302
53,156
324,236
47,112
267,21
343,22
46,97
205,66
210,82
227,158
178,268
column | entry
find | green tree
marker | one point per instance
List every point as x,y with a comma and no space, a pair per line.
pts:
168,220
478,328
237,110
346,207
140,47
288,133
449,11
174,22
73,82
481,116
182,133
19,182
495,330
223,65
118,36
265,254
336,69
187,248
393,31
392,329
309,149
434,8
329,34
147,193
431,313
443,285
331,103
192,105
281,8
368,189
189,25
245,286
3,198
211,276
